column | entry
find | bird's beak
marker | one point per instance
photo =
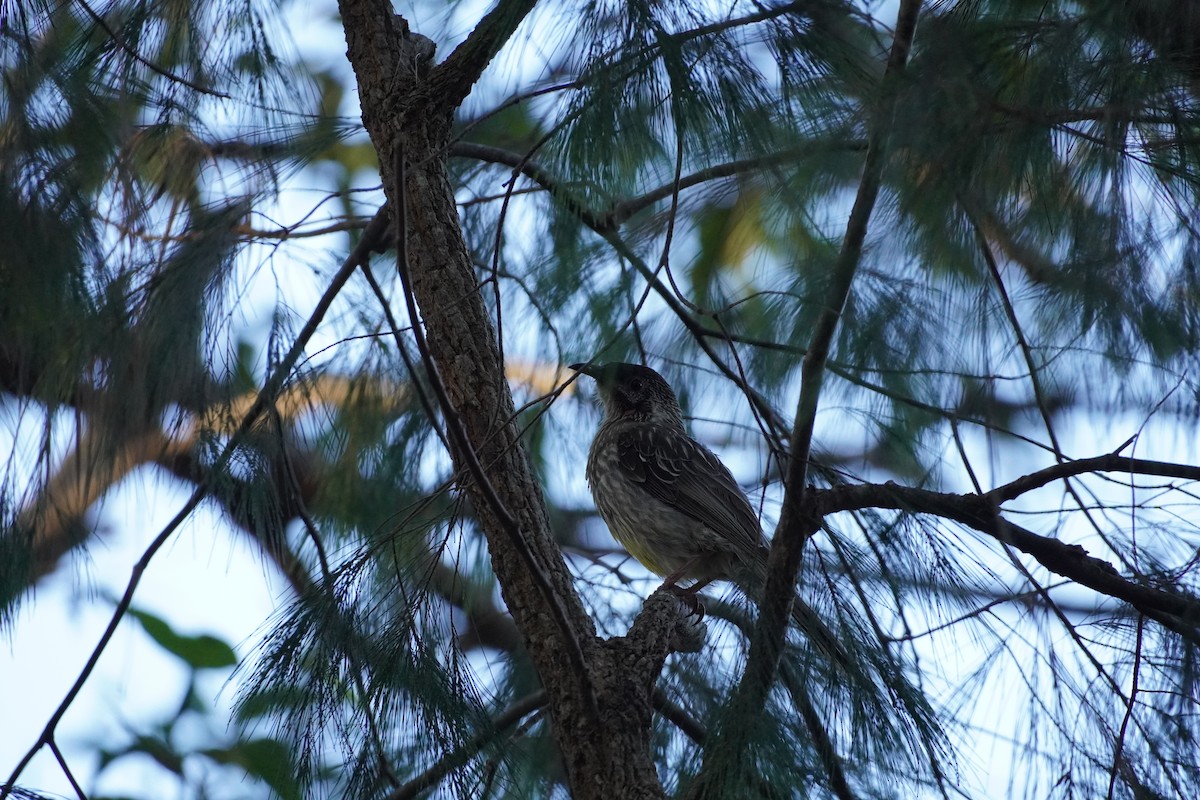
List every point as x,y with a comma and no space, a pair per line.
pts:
603,374
587,369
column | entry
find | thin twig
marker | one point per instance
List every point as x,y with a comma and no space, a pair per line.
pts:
1110,462
62,762
1176,610
266,396
121,43
314,535
622,211
1035,383
422,395
797,520
451,761
821,740
1118,750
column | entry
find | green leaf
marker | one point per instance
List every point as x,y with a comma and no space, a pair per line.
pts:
244,379
199,652
267,759
157,748
269,700
160,750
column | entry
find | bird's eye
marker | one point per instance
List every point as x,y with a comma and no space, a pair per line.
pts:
636,384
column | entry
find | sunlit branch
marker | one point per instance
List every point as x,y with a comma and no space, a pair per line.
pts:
57,514
1037,268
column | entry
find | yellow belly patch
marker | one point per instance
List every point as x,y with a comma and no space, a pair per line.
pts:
646,556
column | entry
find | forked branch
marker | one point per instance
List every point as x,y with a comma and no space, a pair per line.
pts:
1176,610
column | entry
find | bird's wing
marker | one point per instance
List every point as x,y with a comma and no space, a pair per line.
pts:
685,475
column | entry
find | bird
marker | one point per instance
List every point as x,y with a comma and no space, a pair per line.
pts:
671,502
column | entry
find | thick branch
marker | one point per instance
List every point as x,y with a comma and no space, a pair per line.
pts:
56,517
1181,612
464,451
454,78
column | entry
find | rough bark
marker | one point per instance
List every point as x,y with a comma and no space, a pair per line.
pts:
598,692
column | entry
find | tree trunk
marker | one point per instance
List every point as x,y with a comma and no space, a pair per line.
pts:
599,692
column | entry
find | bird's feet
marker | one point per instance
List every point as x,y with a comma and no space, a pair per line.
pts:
689,597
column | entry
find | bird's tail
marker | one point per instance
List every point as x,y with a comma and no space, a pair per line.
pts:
804,617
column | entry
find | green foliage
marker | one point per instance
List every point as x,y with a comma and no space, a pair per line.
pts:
169,743
267,759
1027,295
198,652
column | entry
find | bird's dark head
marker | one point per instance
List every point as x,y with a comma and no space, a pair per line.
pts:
631,391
